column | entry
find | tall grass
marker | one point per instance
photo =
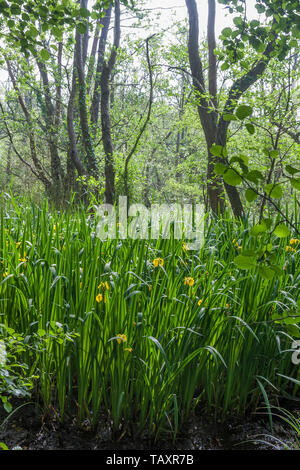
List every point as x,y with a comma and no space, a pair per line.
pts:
110,332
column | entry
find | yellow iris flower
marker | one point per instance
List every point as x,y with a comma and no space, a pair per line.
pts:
189,281
158,262
121,338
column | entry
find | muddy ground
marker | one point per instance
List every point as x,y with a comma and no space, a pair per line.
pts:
30,430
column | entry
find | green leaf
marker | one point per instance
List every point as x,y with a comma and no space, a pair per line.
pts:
254,176
268,223
266,272
243,111
45,27
33,32
225,66
250,195
258,229
45,54
43,11
229,117
245,262
277,269
293,43
238,21
7,406
296,31
226,32
260,8
295,182
251,253
292,320
282,231
15,9
254,23
81,28
250,128
216,150
41,332
292,170
274,190
232,177
220,168
84,12
58,34
244,159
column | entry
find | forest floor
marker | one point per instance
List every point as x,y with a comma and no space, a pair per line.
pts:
28,429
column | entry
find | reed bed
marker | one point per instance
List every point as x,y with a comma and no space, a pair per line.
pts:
144,331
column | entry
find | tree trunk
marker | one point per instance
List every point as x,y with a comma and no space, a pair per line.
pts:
107,68
90,160
38,168
205,107
94,111
73,152
107,137
215,132
57,174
